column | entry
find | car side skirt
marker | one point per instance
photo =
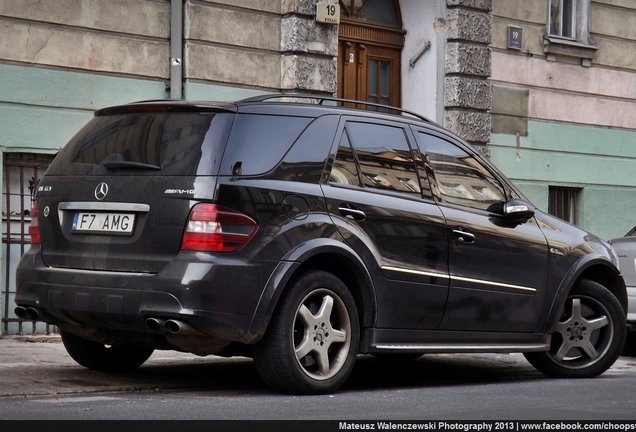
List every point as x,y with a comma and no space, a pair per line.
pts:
435,341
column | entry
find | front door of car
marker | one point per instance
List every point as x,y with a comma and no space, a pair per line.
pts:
388,217
498,269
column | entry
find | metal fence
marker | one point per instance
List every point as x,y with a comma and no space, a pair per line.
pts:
20,175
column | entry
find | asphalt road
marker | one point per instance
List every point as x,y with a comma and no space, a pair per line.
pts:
38,381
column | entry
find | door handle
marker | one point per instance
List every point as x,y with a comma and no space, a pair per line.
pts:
351,212
463,235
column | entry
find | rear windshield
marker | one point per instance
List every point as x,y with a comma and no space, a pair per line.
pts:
146,144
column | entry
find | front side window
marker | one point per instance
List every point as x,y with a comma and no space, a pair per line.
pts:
460,178
563,15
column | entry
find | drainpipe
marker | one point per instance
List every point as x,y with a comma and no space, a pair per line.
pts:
176,49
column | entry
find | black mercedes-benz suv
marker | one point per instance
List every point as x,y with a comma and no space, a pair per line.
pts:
303,234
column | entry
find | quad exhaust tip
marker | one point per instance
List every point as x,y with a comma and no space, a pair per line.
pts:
171,326
28,313
180,327
155,324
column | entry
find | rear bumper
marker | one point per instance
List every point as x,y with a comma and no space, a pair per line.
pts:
217,296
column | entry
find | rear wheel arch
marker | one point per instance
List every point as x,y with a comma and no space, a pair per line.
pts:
336,259
353,275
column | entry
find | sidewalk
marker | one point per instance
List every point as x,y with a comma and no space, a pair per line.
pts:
39,365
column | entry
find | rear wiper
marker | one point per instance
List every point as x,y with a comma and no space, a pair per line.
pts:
128,164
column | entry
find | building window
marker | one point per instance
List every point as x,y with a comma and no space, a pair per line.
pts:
563,18
562,203
568,32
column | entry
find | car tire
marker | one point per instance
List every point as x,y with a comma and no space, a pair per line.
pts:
589,336
103,358
630,345
312,340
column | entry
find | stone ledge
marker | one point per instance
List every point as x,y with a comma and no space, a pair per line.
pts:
553,47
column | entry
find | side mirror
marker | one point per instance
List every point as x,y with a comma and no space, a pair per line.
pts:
518,210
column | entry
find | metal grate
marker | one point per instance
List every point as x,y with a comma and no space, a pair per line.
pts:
562,203
21,174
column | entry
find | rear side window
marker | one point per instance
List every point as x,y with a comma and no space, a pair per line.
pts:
306,160
258,142
384,158
146,144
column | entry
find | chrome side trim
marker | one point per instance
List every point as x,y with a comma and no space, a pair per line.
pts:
498,284
459,278
107,206
416,272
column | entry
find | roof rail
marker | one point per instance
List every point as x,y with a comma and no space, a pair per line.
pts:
324,100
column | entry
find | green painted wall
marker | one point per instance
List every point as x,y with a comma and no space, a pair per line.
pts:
40,109
600,161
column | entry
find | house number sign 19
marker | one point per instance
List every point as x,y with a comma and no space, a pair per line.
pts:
328,13
515,37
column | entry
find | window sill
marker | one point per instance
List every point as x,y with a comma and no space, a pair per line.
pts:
554,46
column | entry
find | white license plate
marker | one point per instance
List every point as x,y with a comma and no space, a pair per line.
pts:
103,223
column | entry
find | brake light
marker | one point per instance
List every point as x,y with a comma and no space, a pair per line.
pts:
34,227
214,228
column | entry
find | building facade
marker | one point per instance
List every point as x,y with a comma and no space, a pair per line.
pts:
552,107
564,107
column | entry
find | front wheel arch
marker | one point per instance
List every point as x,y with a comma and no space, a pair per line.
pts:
599,270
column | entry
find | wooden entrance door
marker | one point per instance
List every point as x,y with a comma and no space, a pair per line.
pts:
369,73
369,52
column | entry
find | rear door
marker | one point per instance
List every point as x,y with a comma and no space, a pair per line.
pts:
118,195
386,214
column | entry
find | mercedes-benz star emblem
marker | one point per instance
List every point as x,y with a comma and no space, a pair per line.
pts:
101,191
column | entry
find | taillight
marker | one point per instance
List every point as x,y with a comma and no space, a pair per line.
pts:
34,227
214,228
